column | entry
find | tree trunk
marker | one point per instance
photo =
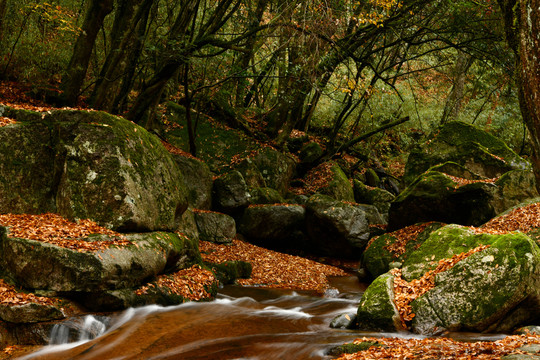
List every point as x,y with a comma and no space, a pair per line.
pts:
3,8
455,97
78,65
123,31
522,24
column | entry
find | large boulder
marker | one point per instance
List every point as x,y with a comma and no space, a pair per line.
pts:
435,196
336,228
117,174
479,282
230,193
199,181
339,187
215,227
39,265
27,159
391,249
438,196
377,310
493,290
467,145
90,165
268,168
274,226
378,197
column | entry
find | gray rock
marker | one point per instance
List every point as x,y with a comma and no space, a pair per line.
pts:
38,265
230,193
434,196
266,196
344,321
378,197
215,227
336,228
276,169
274,226
29,313
199,181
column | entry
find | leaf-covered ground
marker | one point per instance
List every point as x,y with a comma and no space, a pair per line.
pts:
441,348
271,268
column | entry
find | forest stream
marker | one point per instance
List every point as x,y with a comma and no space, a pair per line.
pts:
242,323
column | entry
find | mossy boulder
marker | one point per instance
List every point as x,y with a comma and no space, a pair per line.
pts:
391,248
377,310
493,290
336,228
27,171
268,168
188,225
198,179
467,145
230,193
215,227
378,197
434,196
116,173
274,226
310,153
90,165
229,271
339,187
513,188
39,265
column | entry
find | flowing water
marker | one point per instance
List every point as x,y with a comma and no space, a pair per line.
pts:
242,323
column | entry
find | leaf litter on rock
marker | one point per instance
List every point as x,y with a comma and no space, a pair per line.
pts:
56,230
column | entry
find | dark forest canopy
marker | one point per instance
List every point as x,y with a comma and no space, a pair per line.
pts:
348,67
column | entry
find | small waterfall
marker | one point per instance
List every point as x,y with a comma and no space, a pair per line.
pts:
78,329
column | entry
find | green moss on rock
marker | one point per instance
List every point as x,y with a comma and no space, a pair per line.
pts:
377,310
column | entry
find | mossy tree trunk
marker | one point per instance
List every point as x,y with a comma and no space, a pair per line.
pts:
522,25
78,65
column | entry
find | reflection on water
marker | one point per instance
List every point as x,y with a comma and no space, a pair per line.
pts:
243,323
